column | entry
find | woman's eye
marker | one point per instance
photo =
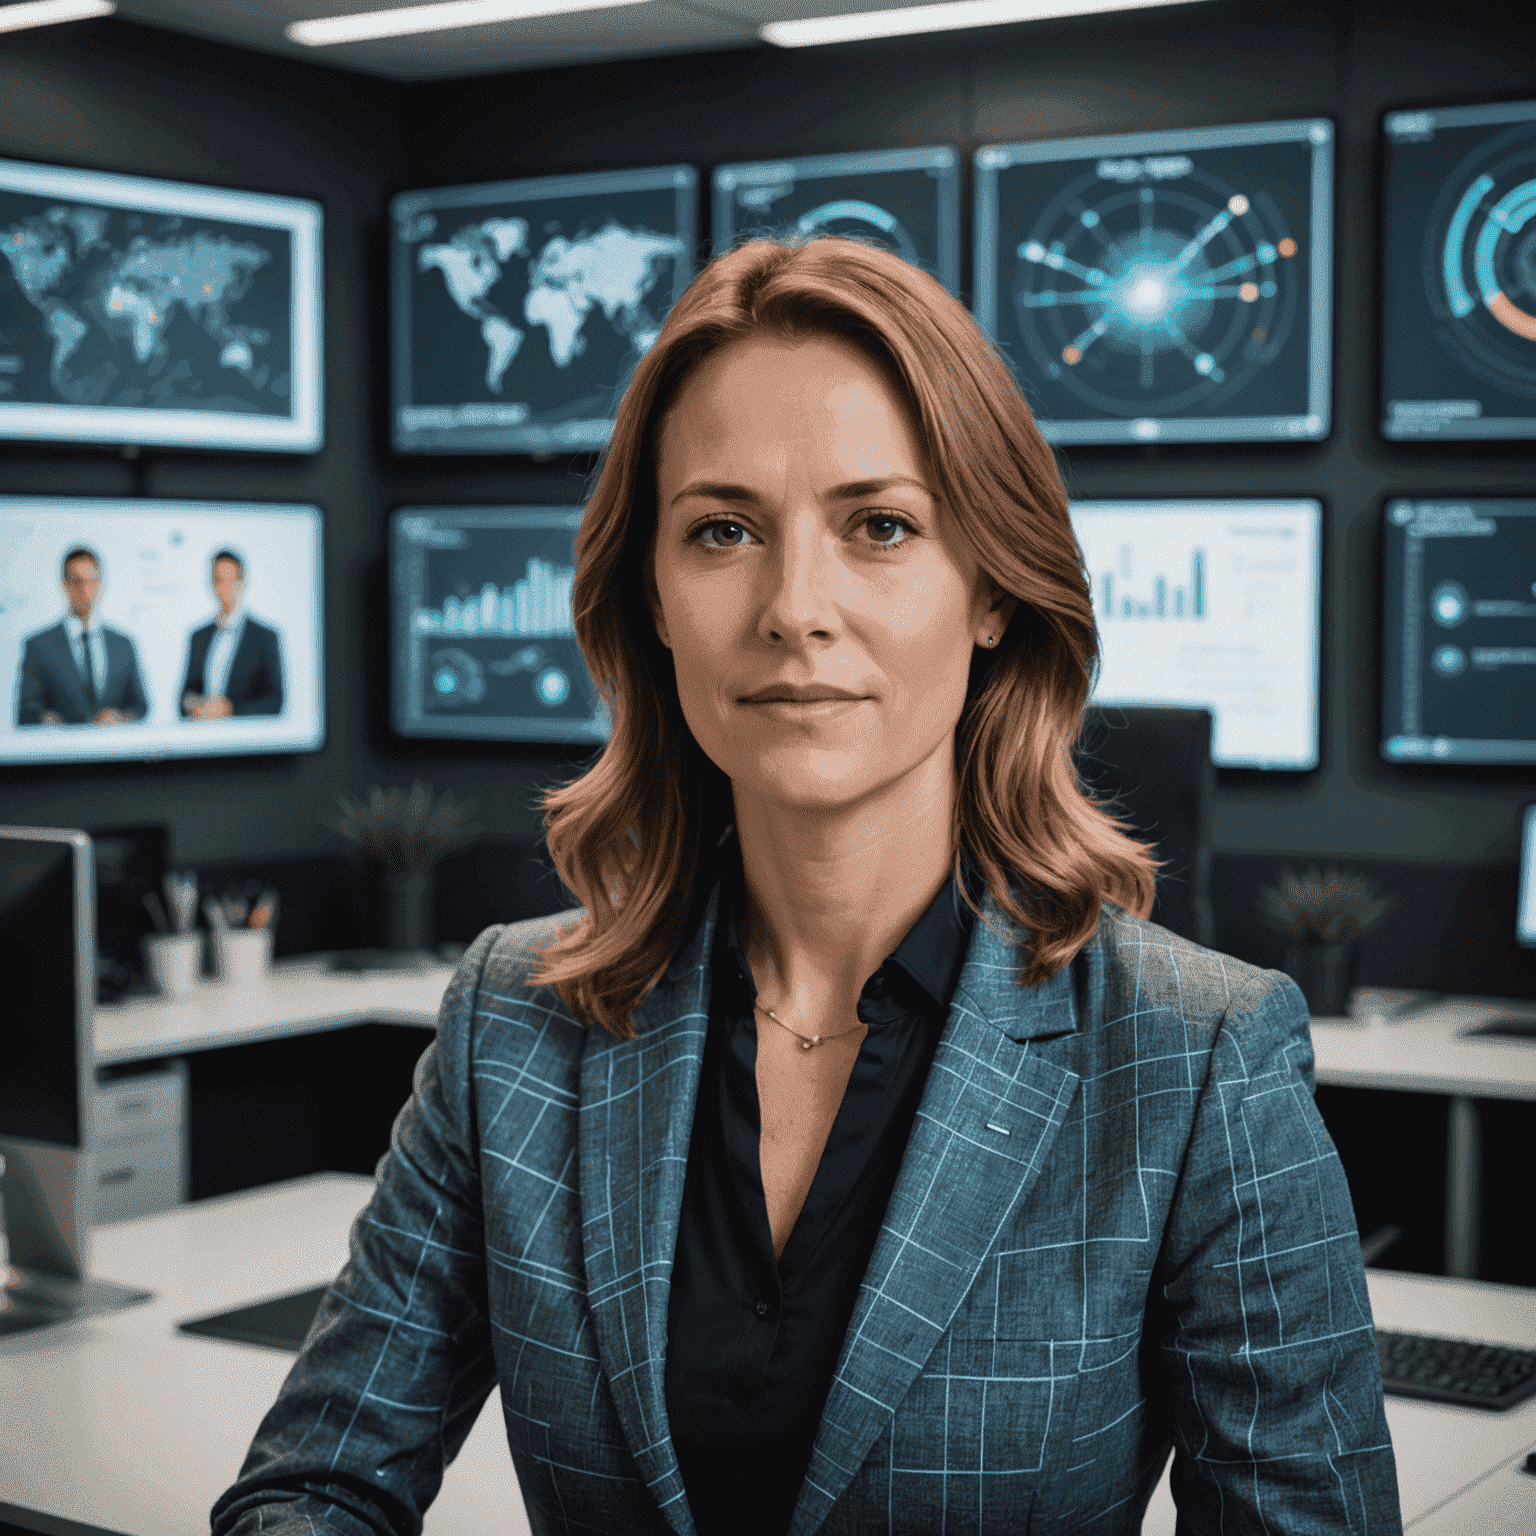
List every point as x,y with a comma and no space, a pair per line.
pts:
887,531
722,535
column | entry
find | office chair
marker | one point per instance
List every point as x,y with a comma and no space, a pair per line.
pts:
1152,765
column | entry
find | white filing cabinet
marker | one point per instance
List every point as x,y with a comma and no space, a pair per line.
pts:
141,1143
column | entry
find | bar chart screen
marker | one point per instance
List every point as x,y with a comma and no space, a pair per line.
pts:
1212,603
484,642
1459,619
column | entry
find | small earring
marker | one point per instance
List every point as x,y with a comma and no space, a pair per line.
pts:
991,639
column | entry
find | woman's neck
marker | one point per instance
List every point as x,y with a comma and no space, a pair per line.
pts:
831,893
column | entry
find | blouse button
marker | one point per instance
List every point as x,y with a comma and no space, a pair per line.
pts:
763,1309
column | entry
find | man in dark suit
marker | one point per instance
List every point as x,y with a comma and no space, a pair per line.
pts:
80,672
234,665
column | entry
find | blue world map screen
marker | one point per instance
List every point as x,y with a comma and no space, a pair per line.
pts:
520,308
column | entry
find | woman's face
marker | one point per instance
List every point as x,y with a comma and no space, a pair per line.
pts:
820,613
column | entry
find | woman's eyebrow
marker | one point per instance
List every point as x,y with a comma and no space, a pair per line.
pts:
716,490
853,489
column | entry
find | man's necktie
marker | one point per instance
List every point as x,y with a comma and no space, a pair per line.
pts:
87,674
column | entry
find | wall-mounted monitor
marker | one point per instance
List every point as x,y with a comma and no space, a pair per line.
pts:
520,308
906,200
1213,603
155,313
1459,272
1525,917
132,630
483,640
1459,619
1163,287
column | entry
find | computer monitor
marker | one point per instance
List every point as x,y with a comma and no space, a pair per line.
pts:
1459,621
47,944
480,617
906,200
520,308
1212,603
154,579
1163,287
1458,272
1525,919
154,312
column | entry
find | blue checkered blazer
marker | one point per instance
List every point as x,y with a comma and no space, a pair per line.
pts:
1119,1224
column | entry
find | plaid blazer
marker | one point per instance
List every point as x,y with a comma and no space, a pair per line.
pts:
1119,1225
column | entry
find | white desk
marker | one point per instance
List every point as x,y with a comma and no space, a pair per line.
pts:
1458,1469
300,997
1426,1052
123,1423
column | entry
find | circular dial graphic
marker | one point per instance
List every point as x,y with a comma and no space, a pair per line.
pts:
854,216
1148,300
1480,260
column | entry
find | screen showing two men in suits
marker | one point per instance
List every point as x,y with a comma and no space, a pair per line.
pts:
146,629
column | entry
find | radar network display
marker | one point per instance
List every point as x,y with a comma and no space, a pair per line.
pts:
521,307
480,618
1163,286
1459,273
152,312
1459,611
907,200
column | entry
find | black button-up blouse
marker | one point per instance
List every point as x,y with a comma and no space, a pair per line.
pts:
752,1344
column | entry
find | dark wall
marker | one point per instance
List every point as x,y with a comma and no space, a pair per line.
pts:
125,98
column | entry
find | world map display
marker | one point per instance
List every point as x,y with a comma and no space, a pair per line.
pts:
520,309
129,309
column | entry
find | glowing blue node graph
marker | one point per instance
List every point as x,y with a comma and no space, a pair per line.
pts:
1166,286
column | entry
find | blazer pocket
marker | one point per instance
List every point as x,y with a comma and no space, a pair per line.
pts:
994,1407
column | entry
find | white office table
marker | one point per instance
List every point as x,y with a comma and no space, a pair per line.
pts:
122,1423
300,996
1427,1052
1458,1469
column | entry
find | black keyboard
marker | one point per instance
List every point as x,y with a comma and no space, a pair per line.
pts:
1460,1371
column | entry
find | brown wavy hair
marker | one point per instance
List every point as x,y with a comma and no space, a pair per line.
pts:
635,837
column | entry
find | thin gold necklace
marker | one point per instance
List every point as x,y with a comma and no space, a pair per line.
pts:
807,1042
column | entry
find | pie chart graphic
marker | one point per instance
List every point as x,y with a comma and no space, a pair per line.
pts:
858,217
1479,259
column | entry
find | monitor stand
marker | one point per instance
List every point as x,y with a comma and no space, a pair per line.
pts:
47,1190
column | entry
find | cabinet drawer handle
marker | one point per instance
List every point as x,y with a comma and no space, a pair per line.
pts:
117,1175
133,1106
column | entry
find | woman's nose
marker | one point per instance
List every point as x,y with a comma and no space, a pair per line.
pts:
801,582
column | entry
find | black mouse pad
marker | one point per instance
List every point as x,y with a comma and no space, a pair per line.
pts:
281,1322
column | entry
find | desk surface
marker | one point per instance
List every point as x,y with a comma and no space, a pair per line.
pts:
301,996
135,1428
1426,1052
123,1423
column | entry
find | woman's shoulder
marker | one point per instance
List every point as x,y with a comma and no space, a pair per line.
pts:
492,989
1145,964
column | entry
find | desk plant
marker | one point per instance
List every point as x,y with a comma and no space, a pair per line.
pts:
1324,914
405,834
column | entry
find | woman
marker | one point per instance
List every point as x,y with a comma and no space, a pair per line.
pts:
861,1159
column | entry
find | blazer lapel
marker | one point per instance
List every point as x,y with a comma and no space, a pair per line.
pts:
636,1117
988,1116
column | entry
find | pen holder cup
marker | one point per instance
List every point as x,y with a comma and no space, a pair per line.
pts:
244,955
173,962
